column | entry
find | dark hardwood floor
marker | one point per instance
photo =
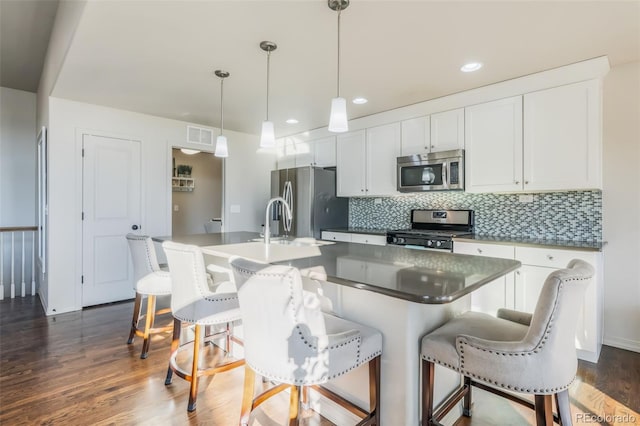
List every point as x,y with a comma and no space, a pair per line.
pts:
76,369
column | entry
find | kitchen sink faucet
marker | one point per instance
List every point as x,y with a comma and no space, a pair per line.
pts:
267,220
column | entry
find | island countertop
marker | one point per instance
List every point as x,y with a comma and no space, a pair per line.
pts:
418,276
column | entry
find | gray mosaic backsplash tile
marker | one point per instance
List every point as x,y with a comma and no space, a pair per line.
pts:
572,216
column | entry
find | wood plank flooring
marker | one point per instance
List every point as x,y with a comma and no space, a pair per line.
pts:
76,369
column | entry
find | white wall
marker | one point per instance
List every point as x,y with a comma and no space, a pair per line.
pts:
621,206
68,120
17,157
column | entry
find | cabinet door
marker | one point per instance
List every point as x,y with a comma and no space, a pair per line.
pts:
350,164
447,130
498,293
383,147
304,153
528,285
416,136
562,142
286,153
493,135
325,152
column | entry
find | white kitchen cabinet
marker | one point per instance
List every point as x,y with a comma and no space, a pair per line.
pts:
522,288
383,147
298,153
493,141
562,148
416,136
447,130
366,161
543,141
498,293
324,152
350,167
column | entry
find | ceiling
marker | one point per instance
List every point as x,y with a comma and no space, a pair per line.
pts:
158,57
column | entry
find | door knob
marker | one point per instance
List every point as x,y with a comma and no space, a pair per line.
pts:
135,227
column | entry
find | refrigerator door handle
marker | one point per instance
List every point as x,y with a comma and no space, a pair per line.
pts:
288,197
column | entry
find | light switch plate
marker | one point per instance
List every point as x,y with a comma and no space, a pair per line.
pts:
525,198
176,208
377,201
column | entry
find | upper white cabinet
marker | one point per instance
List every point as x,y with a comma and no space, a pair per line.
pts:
296,153
493,134
549,142
447,130
366,161
416,136
562,138
383,147
350,168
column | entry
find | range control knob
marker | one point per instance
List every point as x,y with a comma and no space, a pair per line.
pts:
429,243
438,244
401,240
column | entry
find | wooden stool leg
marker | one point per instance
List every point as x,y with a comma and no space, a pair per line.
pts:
544,410
294,406
564,408
466,402
193,391
151,312
374,390
427,392
247,395
136,318
175,343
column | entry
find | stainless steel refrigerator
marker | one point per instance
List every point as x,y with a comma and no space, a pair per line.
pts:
312,195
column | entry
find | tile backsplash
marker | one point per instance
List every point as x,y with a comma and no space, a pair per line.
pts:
573,215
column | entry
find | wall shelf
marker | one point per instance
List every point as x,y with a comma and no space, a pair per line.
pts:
183,184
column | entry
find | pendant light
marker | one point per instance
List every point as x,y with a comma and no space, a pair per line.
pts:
338,118
221,141
268,137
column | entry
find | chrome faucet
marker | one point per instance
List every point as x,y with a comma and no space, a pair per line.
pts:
267,219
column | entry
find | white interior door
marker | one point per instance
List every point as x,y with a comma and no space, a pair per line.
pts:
111,209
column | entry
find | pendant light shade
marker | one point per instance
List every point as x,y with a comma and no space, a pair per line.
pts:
267,136
222,149
338,121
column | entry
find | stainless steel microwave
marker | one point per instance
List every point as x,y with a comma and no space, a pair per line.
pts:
436,171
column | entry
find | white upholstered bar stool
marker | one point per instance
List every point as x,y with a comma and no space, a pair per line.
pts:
517,352
192,302
289,340
149,281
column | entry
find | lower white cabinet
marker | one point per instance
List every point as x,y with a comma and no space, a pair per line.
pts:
373,239
520,290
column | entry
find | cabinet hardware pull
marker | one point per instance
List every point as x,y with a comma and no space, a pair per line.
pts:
479,250
549,257
517,182
526,182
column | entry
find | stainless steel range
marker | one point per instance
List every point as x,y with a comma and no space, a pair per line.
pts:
433,229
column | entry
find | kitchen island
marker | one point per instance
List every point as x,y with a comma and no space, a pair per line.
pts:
403,293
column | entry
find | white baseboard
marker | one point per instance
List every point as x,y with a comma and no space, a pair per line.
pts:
621,343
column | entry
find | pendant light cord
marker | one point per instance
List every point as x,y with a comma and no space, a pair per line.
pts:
339,13
221,105
268,63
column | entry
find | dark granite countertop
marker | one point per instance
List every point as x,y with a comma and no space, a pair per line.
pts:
358,231
418,276
534,242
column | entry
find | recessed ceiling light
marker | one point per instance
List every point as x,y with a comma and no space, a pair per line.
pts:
471,67
360,100
292,121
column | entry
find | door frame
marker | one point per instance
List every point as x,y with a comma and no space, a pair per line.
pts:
169,176
77,209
